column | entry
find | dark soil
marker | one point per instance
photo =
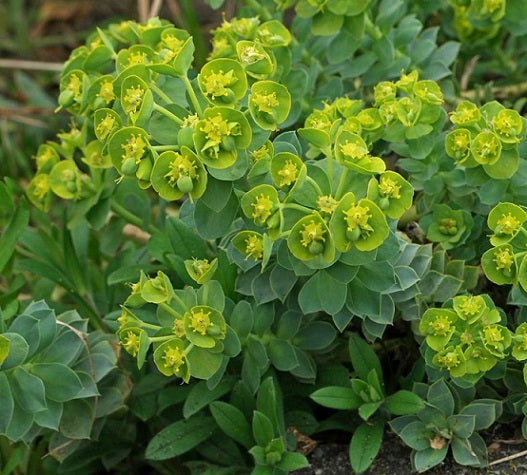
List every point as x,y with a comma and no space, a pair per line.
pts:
394,457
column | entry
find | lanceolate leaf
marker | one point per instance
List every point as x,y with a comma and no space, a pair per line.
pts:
365,445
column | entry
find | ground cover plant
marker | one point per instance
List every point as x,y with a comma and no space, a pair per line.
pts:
316,231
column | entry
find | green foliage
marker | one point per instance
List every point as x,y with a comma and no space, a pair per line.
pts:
240,222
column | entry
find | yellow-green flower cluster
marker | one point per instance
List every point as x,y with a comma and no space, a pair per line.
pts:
182,327
488,137
467,339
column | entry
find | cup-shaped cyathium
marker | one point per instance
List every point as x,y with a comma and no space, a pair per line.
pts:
392,193
269,104
255,59
288,171
130,152
219,135
101,92
457,146
352,152
508,126
178,173
486,148
429,92
310,238
499,264
105,123
73,91
261,204
505,221
359,224
174,52
467,113
137,100
223,81
204,326
273,34
171,359
201,270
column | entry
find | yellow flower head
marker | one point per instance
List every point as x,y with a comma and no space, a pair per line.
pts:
199,321
174,44
389,188
74,85
353,150
178,327
215,128
503,259
250,54
265,102
262,208
289,173
134,147
132,99
40,185
312,232
470,306
253,248
441,326
131,343
493,337
449,360
358,216
136,58
106,92
105,126
174,358
326,204
507,224
179,167
216,83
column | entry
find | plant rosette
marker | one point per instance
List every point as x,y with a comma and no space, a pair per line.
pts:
505,220
269,104
223,81
178,173
447,226
129,150
352,152
219,135
359,224
310,239
392,193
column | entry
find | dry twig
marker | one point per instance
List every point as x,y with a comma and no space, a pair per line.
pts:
509,457
33,65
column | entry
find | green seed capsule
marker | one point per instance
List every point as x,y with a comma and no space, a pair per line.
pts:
269,118
129,166
228,98
353,235
66,98
316,247
384,203
71,186
273,221
184,183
